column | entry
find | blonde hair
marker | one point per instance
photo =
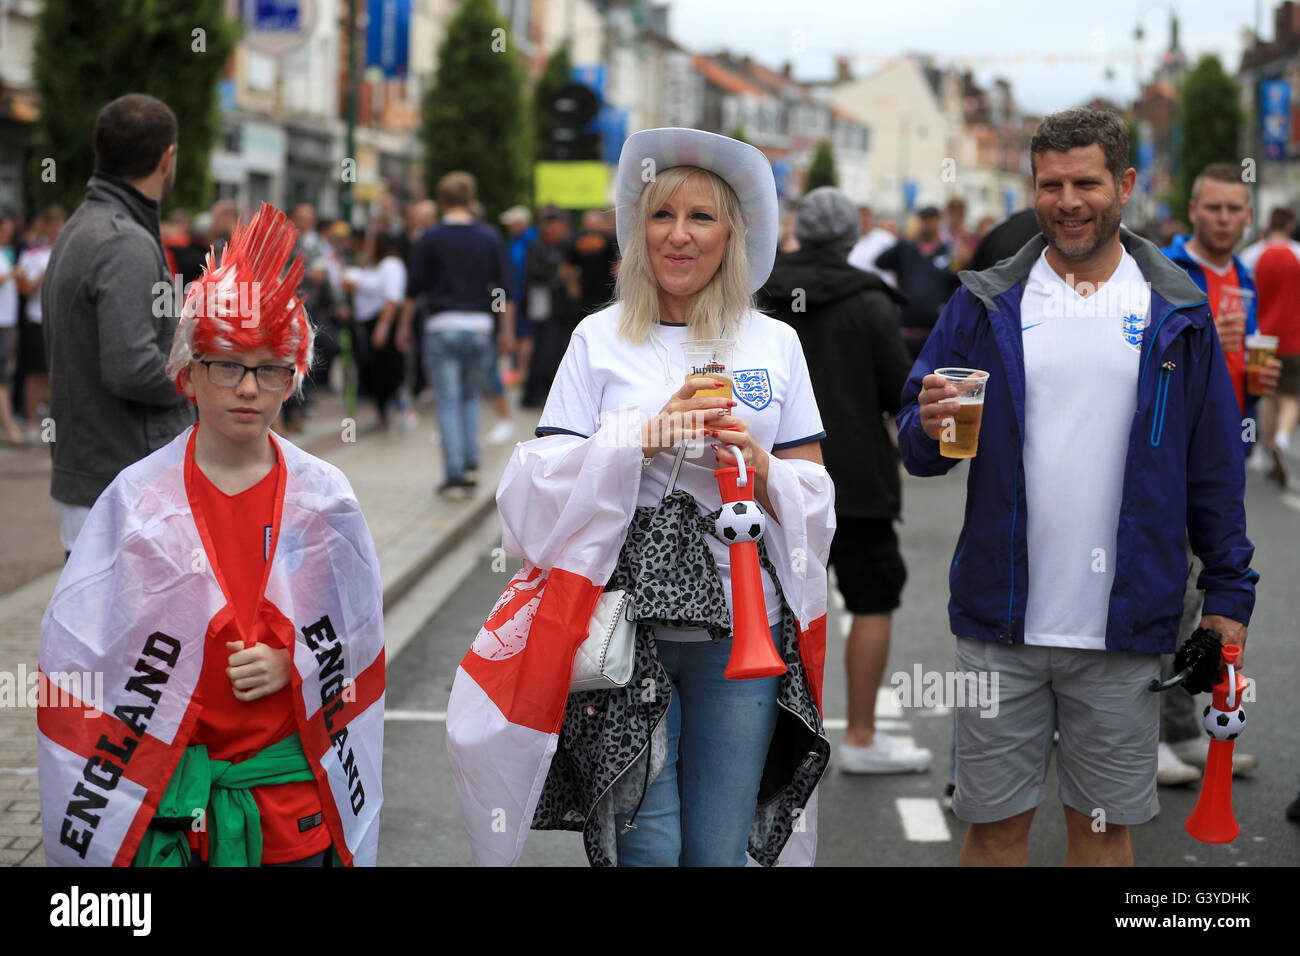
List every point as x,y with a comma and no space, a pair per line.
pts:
721,304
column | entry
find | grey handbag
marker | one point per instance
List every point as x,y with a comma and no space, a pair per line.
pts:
605,659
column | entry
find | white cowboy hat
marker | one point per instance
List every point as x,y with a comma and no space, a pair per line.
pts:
745,169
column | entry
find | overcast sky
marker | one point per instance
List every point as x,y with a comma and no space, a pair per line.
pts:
1049,37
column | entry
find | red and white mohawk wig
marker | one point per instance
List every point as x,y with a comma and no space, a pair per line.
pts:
248,301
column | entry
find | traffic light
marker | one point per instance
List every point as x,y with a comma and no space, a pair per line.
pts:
572,111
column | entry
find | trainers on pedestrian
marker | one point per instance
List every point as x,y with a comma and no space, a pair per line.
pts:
456,488
885,755
471,476
501,433
1170,771
1196,750
949,789
1293,810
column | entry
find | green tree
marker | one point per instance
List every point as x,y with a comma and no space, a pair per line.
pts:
89,52
738,133
1209,120
822,170
473,114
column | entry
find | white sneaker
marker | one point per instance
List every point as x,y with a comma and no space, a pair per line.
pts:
1170,771
885,755
1260,461
1196,750
501,433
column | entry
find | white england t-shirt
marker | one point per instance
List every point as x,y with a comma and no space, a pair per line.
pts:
1081,371
376,287
603,373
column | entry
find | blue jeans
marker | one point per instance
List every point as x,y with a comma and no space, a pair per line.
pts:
699,809
456,362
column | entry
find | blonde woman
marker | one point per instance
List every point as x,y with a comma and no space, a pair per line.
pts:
697,227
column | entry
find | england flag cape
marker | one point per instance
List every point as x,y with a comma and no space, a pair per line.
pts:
136,602
566,504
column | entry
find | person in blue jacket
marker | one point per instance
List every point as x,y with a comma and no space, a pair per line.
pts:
1110,439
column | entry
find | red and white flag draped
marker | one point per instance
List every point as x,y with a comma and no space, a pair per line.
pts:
566,504
136,602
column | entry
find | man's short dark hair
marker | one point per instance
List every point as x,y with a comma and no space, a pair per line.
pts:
1072,129
1220,173
1281,220
131,135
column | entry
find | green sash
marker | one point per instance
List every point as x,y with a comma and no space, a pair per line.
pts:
222,788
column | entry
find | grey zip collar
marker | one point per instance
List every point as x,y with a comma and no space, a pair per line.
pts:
1167,280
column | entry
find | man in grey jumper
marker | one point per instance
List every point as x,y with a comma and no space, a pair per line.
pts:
110,313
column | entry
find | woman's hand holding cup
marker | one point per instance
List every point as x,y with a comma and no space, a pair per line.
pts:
685,416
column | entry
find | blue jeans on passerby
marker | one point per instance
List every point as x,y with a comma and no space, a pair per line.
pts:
456,361
699,809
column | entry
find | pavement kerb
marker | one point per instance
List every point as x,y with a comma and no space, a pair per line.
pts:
398,582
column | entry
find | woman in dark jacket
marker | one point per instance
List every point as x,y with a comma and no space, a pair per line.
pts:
848,321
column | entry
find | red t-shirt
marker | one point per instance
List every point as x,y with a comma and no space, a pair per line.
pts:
1214,284
1277,277
237,534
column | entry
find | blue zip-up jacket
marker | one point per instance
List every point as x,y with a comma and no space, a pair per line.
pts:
1184,479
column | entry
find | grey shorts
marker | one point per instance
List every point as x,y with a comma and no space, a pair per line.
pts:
1108,723
8,337
1288,380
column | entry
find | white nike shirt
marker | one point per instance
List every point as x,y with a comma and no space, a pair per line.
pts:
1081,372
603,373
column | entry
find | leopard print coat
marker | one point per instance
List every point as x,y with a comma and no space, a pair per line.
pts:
599,769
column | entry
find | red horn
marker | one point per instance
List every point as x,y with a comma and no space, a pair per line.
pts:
752,653
1212,820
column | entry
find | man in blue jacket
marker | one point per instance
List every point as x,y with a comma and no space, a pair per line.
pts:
1110,439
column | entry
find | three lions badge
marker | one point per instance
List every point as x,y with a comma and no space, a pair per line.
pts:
753,387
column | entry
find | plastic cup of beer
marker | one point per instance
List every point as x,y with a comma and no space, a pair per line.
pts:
960,436
1260,350
1234,299
710,357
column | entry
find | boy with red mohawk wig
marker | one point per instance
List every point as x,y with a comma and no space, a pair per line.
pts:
227,589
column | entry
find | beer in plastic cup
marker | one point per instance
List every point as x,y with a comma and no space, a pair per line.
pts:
1234,299
959,438
1260,350
711,357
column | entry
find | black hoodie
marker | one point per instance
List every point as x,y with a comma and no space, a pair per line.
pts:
847,321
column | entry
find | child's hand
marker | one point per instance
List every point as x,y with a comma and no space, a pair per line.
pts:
257,671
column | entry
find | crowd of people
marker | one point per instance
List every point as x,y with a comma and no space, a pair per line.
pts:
832,386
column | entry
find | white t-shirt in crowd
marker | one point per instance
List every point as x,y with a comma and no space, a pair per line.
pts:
603,373
868,248
1081,371
32,263
8,290
379,285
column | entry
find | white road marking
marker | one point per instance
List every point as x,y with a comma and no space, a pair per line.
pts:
842,723
923,820
21,770
416,716
846,624
1292,499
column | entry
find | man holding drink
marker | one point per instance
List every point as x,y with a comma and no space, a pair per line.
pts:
1109,438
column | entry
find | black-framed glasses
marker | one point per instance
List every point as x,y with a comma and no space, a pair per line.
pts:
229,374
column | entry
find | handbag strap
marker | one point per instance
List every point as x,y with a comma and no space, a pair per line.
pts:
677,466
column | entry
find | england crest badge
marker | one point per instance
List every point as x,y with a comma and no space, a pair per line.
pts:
1132,325
753,387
